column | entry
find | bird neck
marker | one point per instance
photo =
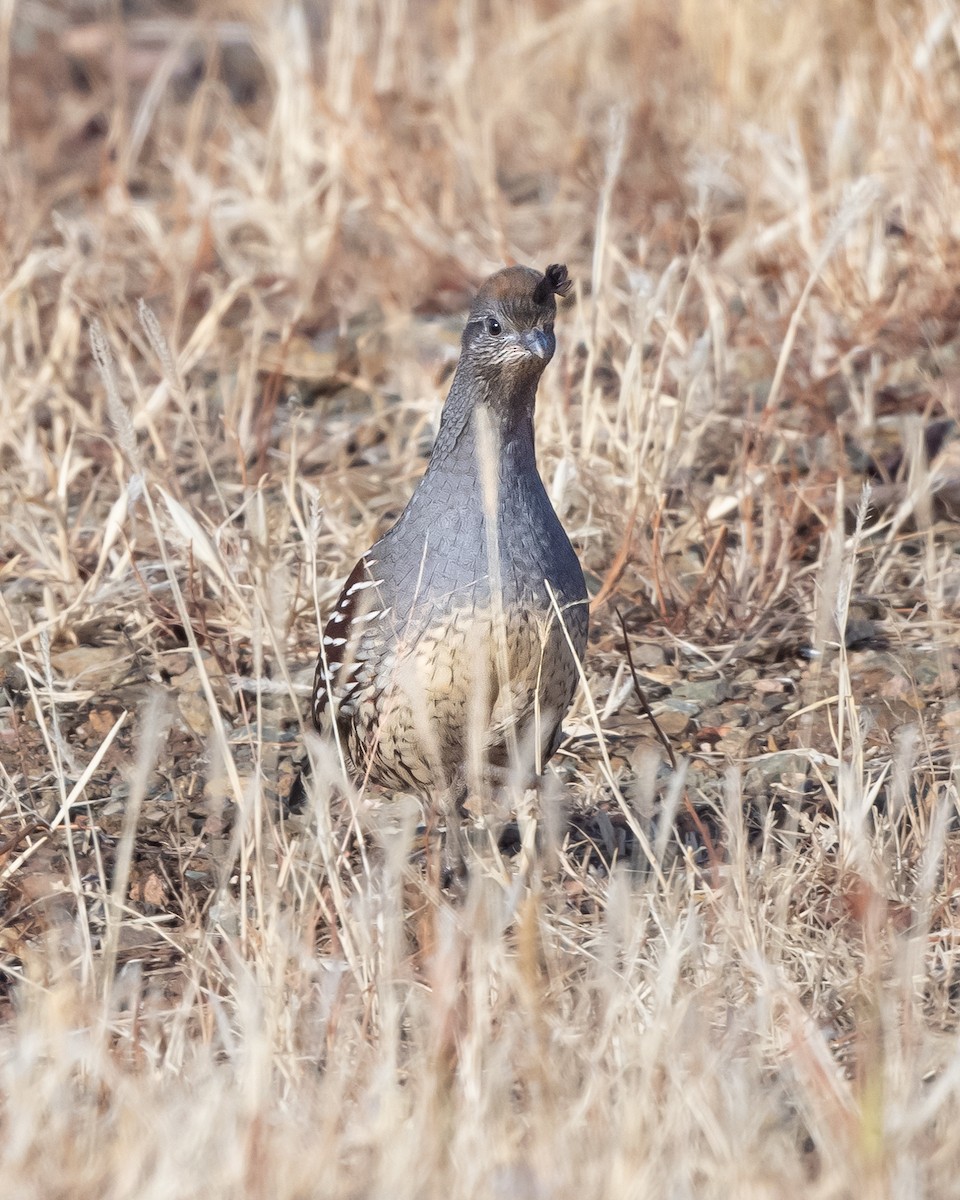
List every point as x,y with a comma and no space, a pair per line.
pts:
479,414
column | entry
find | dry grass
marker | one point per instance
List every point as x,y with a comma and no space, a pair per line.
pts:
235,243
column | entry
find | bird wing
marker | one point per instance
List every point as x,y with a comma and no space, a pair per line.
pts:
351,633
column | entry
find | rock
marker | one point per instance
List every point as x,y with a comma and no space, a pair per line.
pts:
702,692
673,721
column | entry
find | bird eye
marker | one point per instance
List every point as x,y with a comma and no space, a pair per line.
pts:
493,327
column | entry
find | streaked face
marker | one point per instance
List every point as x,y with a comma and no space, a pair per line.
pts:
508,330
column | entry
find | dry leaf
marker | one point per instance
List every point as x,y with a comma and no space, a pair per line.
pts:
154,891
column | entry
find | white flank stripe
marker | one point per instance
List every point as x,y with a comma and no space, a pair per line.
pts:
363,583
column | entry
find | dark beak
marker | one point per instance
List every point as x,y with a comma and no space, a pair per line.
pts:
538,342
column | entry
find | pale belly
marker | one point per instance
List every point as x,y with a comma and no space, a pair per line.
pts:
470,696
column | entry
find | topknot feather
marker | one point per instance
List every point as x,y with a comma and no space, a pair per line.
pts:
555,282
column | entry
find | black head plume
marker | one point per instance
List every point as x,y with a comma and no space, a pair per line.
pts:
555,282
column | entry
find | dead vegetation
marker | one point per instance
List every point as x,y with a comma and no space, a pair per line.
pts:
236,241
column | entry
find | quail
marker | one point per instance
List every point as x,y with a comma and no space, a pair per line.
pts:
453,652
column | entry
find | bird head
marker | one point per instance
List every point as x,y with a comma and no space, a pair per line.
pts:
510,327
